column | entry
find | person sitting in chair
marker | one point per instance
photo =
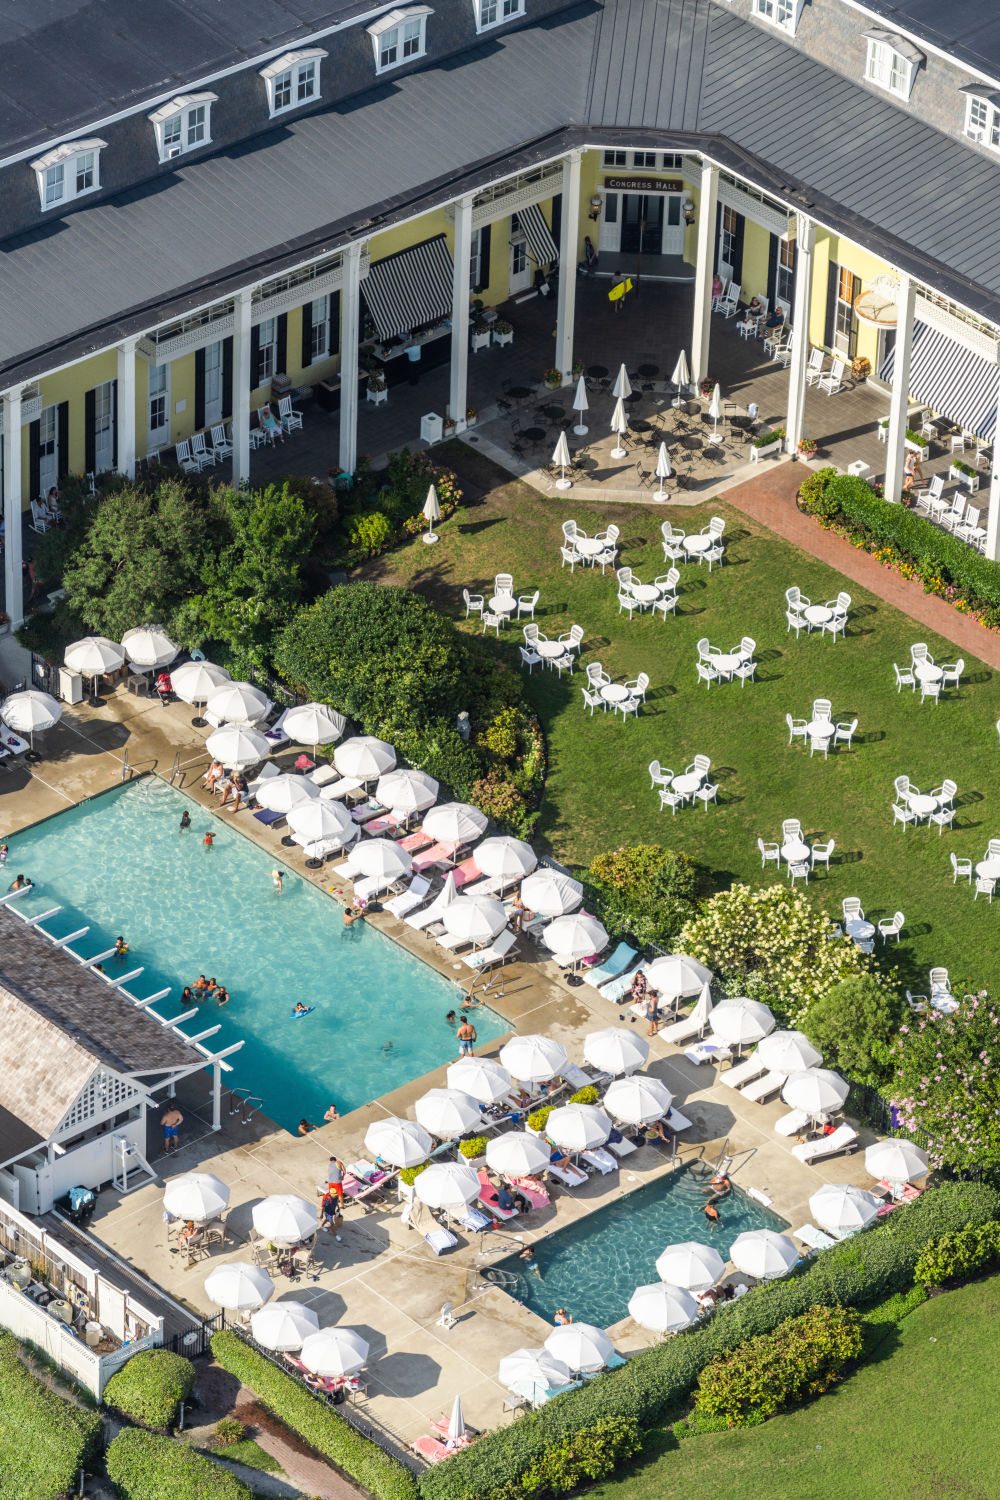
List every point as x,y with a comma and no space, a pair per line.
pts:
776,319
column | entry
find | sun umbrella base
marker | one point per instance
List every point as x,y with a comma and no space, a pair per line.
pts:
95,702
198,722
430,537
661,495
581,431
287,840
564,484
619,453
574,980
314,864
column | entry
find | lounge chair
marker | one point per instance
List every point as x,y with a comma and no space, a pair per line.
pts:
428,915
495,953
602,1160
612,967
617,989
323,775
764,1088
621,1148
275,733
744,1072
704,1052
536,1196
441,1240
267,773
844,1138
415,843
538,1395
385,825
267,817
576,1077
793,1123
569,1176
373,885
815,1238
682,1031
436,855
343,787
488,1197
431,1448
415,893
473,1219
466,872
364,812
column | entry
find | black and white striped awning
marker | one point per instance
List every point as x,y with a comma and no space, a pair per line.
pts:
953,381
413,287
541,245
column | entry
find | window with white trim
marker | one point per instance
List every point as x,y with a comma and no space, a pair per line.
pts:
68,172
293,80
319,328
616,158
495,12
400,36
644,159
185,124
267,345
888,68
982,122
475,258
783,13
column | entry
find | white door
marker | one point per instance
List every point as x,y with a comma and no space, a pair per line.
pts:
104,428
48,450
609,231
213,384
673,225
520,267
159,408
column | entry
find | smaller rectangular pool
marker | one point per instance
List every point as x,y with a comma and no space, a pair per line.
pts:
593,1266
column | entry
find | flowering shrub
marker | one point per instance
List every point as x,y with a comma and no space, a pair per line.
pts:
592,1453
801,1358
947,1084
499,799
958,1256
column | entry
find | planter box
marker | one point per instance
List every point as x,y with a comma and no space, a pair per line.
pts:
970,481
480,341
765,450
503,338
922,448
377,398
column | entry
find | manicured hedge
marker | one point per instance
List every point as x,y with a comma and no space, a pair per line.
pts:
858,1273
317,1424
801,1358
44,1440
145,1466
151,1387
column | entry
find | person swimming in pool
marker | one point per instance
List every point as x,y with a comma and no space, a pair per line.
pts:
451,1019
300,1009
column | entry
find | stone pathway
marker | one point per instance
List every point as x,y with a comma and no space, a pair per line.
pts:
770,499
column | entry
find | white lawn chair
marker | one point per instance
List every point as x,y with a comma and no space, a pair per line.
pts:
821,854
526,604
637,689
891,927
657,775
821,741
832,381
569,531
185,460
289,419
474,603
904,678
768,851
205,457
930,690
571,556
222,444
707,673
729,304
706,793
984,887
952,672
902,814
592,699
673,543
796,622
814,368
930,499
529,658
845,733
961,867
572,639
671,799
626,601
951,518
667,584
797,727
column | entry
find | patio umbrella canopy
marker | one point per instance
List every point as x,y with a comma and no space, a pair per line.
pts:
681,376
364,757
637,1100
575,936
693,1266
407,791
481,1077
663,471
615,1050
447,1184
549,893
403,1143
381,858
334,1352
622,386
787,1052
94,655
194,682
562,458
313,724
431,513
238,703
283,1326
662,1308
238,746
582,1346
454,822
715,409
283,793
315,819
533,1059
239,1287
456,1422
677,975
147,646
446,1113
196,1195
534,1366
506,859
31,711
740,1022
816,1090
840,1208
619,424
578,1127
763,1253
896,1160
581,404
285,1219
475,919
516,1154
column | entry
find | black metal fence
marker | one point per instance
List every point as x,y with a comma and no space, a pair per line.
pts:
194,1342
867,1105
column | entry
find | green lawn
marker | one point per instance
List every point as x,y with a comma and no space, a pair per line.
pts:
917,1421
598,794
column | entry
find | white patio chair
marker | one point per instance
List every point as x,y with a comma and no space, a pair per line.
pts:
745,670
529,658
796,622
919,652
504,583
768,851
821,854
796,600
796,726
773,340
984,887
474,603
822,708
671,799
596,675
904,678
526,604
637,689
492,622
707,792
852,910
667,601
673,543
821,742
844,733
572,638
185,459
798,872
952,673
931,496
626,601
950,518
720,296
569,530
289,419
627,706
562,663
943,817
729,305
571,556
700,766
945,793
919,1004
939,982
657,776
993,849
222,443
961,867
714,554
930,690
532,635
592,699
832,381
835,626
891,927
902,814
624,576
707,673
610,535
902,787
791,828
814,367
606,559
205,456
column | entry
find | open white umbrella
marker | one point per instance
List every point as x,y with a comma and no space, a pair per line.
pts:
456,1422
30,711
283,1326
431,513
407,791
681,377
505,859
238,1286
739,1022
93,656
662,1308
364,757
582,1346
196,1195
533,1367
238,703
313,724
382,859
516,1154
475,919
787,1052
816,1090
691,1265
334,1352
148,646
454,823
447,1184
562,458
622,386
676,976
578,1127
482,1077
663,471
446,1113
403,1143
238,745
581,404
615,1050
194,682
533,1059
619,425
283,793
840,1208
715,411
575,936
637,1100
549,893
285,1219
763,1253
896,1160
315,820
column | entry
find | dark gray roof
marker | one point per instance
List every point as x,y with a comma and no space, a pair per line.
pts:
65,63
969,30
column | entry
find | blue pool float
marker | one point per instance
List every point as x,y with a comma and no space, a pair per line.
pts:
298,1014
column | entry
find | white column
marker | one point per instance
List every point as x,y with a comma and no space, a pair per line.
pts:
126,408
993,515
900,399
700,330
242,303
350,306
12,504
805,242
566,311
458,390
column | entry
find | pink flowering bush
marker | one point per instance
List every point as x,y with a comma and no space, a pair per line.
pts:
948,1085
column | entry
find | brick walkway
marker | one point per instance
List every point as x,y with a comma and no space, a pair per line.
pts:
770,499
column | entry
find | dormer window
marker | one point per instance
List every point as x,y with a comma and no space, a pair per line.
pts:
293,80
399,36
783,13
68,172
495,12
982,117
891,62
185,124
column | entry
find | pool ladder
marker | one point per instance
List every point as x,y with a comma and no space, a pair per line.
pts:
244,1104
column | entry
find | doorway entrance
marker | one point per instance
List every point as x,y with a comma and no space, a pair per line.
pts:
643,224
213,384
48,450
519,279
104,427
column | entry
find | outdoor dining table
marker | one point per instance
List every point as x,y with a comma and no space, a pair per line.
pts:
614,692
550,650
503,604
817,614
795,852
533,434
988,869
639,424
700,542
520,392
927,671
726,662
922,804
645,593
597,372
687,783
553,410
648,371
859,929
589,546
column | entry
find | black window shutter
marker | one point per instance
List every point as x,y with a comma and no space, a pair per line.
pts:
852,345
772,269
199,389
62,420
114,424
281,354
227,377
34,459
738,236
557,223
334,345
89,436
484,259
718,237
307,335
254,357
830,326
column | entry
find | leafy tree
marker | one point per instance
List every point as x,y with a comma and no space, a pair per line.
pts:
646,891
855,1025
947,1084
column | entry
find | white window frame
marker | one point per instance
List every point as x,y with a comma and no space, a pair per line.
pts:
888,69
987,132
58,172
490,13
301,68
320,348
645,160
176,122
781,13
267,351
388,37
613,158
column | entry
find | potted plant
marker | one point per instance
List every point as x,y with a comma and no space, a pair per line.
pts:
375,390
553,379
503,333
448,427
965,473
474,1147
766,443
706,386
480,333
537,1119
471,416
577,368
919,444
861,368
807,447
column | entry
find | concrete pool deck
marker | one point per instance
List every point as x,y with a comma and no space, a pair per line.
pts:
382,1278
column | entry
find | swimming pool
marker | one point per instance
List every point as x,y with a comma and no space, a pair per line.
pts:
593,1266
119,863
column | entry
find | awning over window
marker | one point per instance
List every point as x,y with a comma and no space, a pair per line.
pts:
538,234
411,288
951,380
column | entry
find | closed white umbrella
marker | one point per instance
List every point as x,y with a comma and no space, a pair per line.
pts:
313,724
482,1077
446,1112
283,1326
840,1208
533,1367
681,377
148,646
549,893
662,1308
239,1287
505,859
622,386
816,1090
382,859
285,1219
896,1160
403,1143
364,757
31,710
238,703
663,471
447,1184
475,919
238,745
581,404
763,1253
739,1022
407,791
432,513
691,1265
283,793
615,1050
533,1059
562,458
334,1352
574,937
582,1346
715,411
578,1127
456,1422
787,1052
196,1195
454,823
516,1154
619,425
676,976
316,820
637,1100
194,682
93,656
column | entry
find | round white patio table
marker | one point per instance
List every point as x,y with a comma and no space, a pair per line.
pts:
817,728
989,869
614,692
645,593
589,546
946,1004
927,671
922,804
725,663
698,543
503,604
795,852
817,614
860,931
550,650
687,783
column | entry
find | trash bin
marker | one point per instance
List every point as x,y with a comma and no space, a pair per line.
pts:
92,1334
70,686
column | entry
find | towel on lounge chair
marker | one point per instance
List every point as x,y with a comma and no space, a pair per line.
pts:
611,967
387,825
415,842
793,1123
601,1159
436,855
431,1448
441,1240
536,1196
488,1197
624,1147
265,816
415,893
473,1218
617,989
569,1176
467,871
498,950
842,1139
810,1235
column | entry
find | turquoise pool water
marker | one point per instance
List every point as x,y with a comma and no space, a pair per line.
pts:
592,1267
120,864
